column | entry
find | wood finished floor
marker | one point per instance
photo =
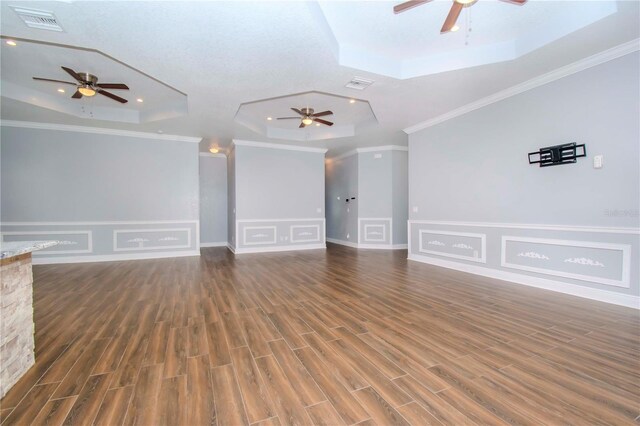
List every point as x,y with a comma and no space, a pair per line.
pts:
335,337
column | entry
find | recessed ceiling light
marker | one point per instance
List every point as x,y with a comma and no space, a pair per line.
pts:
11,43
455,28
140,100
269,118
352,101
61,90
214,150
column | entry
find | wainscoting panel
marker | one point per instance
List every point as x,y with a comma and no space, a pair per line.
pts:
600,260
375,232
457,245
69,242
107,240
264,235
603,263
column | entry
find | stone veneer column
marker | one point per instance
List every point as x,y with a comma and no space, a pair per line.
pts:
16,320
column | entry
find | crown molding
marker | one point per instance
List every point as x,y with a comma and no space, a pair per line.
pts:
211,154
581,65
239,142
98,131
369,149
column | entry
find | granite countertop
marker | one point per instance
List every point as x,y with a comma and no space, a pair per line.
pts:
15,248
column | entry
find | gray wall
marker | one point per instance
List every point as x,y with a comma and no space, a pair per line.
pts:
474,168
279,198
342,181
231,197
400,195
102,194
213,199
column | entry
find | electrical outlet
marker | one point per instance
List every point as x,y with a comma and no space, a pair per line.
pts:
318,210
597,161
415,209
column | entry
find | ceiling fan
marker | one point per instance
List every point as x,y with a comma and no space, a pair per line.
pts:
308,116
87,85
454,12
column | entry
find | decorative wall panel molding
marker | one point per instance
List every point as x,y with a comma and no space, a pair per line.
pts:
375,232
257,235
151,239
263,235
108,240
596,262
457,245
70,242
305,234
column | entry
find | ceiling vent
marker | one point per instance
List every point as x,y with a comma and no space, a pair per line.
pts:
359,83
40,19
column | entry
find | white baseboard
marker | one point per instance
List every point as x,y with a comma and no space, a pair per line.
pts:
342,242
368,246
615,298
112,257
218,244
278,248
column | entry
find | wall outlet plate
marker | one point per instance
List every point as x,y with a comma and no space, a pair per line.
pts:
597,161
415,209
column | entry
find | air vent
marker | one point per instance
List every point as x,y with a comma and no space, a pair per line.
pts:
40,19
359,83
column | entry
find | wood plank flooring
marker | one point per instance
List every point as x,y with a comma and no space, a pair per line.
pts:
326,338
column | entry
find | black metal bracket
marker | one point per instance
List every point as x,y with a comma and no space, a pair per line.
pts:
559,154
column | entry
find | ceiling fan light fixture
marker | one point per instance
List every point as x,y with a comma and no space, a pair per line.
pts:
454,28
87,90
306,121
465,2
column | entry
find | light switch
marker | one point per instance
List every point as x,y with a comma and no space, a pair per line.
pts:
597,162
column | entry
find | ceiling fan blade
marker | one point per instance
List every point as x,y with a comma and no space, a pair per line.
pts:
516,2
297,111
112,96
322,114
403,7
288,118
55,81
77,95
73,74
113,86
456,8
320,120
301,126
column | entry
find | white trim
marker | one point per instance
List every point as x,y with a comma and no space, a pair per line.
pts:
244,235
98,131
615,298
211,154
363,243
216,244
279,220
88,233
307,240
366,239
115,233
113,222
581,65
368,246
279,248
569,228
624,248
113,257
342,242
481,237
239,142
231,248
369,149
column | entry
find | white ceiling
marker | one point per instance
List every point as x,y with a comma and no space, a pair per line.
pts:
223,54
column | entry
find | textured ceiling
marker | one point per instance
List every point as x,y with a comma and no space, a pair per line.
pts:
223,54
